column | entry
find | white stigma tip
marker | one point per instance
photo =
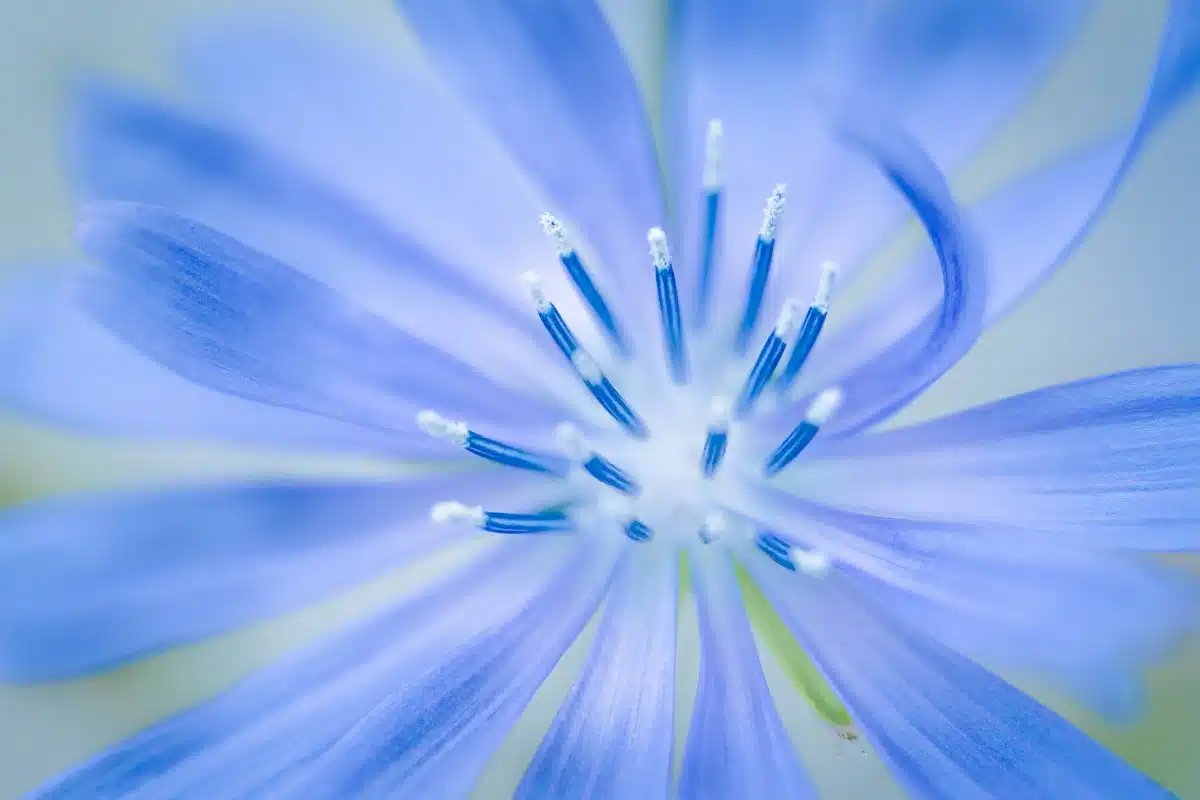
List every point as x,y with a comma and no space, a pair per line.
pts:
586,366
829,271
453,511
658,248
714,149
775,204
789,319
557,233
571,441
533,282
715,524
813,563
824,407
436,425
720,412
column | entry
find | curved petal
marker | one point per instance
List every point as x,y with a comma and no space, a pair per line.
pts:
433,735
550,82
127,147
737,745
944,725
775,74
249,740
614,734
1105,462
1091,620
1030,227
96,580
229,317
62,366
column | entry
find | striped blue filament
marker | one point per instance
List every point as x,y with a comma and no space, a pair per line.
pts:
776,549
556,326
791,447
610,474
672,323
595,301
708,252
764,250
715,444
761,373
810,329
511,456
540,522
638,531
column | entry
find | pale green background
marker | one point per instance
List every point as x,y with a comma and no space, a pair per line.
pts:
1127,299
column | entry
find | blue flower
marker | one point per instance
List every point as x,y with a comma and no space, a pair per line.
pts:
325,255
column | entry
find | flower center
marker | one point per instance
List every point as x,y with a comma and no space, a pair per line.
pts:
667,474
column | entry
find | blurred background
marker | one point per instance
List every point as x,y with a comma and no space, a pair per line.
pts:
1126,299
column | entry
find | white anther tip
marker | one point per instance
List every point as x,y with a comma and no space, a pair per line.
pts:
813,563
715,524
571,441
829,273
775,204
586,366
789,319
720,411
533,284
453,511
658,248
713,152
824,406
557,233
438,426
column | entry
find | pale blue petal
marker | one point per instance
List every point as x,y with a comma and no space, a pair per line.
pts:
613,736
1090,620
1030,227
237,320
737,746
775,73
433,735
265,730
551,83
91,581
1105,462
944,725
63,367
127,147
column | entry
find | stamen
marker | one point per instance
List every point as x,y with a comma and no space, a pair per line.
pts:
714,527
459,434
818,414
596,465
764,250
668,305
769,357
717,439
587,368
713,181
814,320
584,283
503,522
813,563
617,510
638,531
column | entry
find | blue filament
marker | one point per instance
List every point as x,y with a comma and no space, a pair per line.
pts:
672,323
787,451
708,246
558,330
541,522
714,450
638,531
511,456
761,270
760,375
814,320
595,301
776,549
609,473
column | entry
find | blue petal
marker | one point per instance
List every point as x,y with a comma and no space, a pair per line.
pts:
92,581
267,729
433,735
61,366
551,83
944,725
1106,462
1088,619
1030,227
614,735
127,147
236,320
773,72
737,745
